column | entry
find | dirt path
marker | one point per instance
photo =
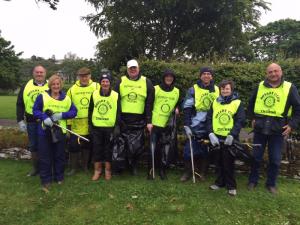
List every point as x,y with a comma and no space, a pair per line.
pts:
8,123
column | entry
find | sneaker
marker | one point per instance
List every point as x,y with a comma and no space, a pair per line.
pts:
232,192
214,187
251,186
272,190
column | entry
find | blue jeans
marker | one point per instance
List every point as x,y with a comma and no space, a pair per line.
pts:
275,144
32,131
199,149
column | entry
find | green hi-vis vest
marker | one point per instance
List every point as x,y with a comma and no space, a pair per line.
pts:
30,93
204,98
80,97
223,116
164,104
133,95
105,109
271,101
57,106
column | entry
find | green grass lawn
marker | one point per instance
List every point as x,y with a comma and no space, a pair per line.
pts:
8,107
135,200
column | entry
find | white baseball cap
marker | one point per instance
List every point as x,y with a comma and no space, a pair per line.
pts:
132,63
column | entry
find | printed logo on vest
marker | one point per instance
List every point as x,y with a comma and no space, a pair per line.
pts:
84,101
269,101
102,109
132,96
165,108
224,119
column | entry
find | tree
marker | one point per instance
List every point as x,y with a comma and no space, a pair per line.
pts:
173,29
52,3
9,65
277,40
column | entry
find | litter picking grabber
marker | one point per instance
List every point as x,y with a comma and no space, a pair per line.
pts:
152,148
192,155
72,132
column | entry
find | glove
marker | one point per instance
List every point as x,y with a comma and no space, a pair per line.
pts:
22,126
213,139
56,117
48,122
188,131
228,140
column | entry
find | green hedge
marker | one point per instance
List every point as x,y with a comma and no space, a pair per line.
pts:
245,75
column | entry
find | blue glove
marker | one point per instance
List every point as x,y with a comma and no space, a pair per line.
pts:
56,117
22,126
48,122
228,140
188,131
213,139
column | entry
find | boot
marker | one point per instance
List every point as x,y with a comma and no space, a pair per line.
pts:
85,159
97,171
187,171
162,173
203,168
107,170
73,164
35,165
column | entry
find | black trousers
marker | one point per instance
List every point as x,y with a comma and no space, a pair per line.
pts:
102,144
225,168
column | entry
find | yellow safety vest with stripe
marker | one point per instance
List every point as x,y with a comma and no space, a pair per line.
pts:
133,95
105,109
30,93
164,104
204,98
57,106
271,101
223,116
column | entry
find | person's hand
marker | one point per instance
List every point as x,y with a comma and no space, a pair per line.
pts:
213,139
177,112
56,117
253,124
287,130
188,131
22,126
149,127
228,140
48,122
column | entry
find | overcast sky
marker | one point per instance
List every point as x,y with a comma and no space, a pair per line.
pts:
38,30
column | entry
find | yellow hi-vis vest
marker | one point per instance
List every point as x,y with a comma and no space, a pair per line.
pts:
204,98
133,95
271,101
30,93
223,116
105,109
164,104
80,97
57,106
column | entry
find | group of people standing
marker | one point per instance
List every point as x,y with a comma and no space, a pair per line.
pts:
108,124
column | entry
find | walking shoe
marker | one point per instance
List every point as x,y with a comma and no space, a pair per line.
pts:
272,190
251,186
45,187
232,192
214,187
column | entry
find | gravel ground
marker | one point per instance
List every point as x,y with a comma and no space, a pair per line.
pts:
8,123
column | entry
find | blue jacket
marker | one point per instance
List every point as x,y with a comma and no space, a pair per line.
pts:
41,116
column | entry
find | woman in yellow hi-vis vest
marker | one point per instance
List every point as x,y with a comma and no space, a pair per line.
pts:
104,113
50,107
224,122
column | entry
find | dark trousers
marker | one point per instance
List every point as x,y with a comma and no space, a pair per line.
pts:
77,146
275,144
225,168
51,159
102,145
32,131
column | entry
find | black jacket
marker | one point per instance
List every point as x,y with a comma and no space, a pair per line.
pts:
238,119
276,123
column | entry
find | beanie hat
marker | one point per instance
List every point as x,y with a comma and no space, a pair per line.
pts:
105,76
206,69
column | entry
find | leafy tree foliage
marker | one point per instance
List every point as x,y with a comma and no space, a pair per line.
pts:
277,40
173,29
9,65
52,3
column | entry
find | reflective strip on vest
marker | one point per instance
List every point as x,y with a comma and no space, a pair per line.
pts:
105,109
57,106
164,105
133,95
30,93
204,98
271,101
223,116
80,97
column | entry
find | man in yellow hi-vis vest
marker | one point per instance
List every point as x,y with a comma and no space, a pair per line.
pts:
268,108
25,102
136,93
80,94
